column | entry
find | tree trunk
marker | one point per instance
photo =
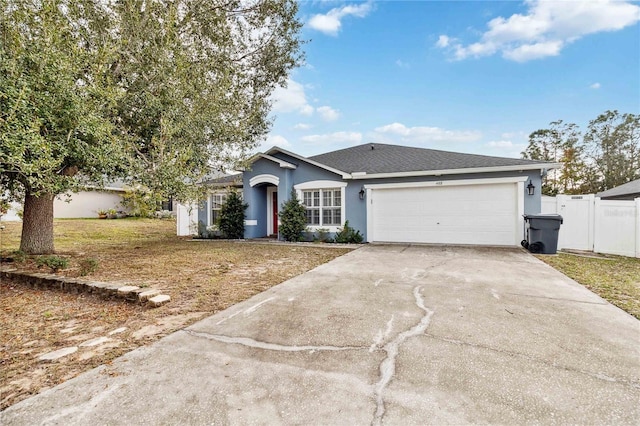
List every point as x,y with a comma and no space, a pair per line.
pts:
37,224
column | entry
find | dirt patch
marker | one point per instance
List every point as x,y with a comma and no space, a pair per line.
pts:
201,277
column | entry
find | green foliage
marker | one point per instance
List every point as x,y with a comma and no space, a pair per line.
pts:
206,232
231,221
558,143
157,93
56,263
196,79
292,218
612,141
348,235
54,96
88,266
19,256
140,202
4,207
322,235
607,155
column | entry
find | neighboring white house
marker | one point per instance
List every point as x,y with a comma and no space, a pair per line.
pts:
85,204
12,213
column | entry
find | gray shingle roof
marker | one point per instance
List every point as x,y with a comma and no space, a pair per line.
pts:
628,189
385,158
226,180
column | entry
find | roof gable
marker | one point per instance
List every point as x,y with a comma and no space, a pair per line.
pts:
309,160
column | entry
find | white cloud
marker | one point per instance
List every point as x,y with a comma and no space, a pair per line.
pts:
428,134
403,64
302,126
274,140
500,144
545,29
328,114
595,86
331,138
528,52
330,22
443,41
291,99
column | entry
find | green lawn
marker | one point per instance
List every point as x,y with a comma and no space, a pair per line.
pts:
614,278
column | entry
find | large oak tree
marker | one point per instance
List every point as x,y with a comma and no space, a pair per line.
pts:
157,92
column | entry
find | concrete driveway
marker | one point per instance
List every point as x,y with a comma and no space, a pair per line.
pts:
383,335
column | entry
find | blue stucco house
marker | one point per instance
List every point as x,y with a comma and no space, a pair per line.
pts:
391,193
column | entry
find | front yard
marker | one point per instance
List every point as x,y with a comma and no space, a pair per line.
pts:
202,277
614,278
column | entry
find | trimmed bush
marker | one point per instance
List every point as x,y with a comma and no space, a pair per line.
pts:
348,235
231,221
292,218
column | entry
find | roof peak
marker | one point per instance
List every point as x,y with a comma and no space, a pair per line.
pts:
396,146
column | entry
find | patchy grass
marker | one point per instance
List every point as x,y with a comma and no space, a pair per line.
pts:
614,278
202,277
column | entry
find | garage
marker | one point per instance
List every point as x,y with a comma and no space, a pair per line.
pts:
482,212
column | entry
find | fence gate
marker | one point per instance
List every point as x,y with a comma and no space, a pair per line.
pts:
577,212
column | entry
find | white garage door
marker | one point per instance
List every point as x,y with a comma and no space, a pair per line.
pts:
466,214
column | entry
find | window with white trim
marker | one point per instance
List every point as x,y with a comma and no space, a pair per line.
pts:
323,206
217,200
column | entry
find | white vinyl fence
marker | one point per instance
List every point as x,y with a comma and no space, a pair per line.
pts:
589,223
187,219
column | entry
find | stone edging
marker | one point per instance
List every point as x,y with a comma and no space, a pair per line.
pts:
131,293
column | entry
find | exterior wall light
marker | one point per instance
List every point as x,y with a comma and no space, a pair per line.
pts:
531,189
361,193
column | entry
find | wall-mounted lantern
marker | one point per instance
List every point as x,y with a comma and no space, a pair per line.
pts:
531,189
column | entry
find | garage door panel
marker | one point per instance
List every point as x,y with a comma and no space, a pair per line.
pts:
471,214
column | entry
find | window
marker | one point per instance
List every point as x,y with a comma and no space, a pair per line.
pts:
217,200
323,206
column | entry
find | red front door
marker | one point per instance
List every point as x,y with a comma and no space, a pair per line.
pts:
274,200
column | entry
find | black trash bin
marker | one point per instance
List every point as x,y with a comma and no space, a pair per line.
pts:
542,233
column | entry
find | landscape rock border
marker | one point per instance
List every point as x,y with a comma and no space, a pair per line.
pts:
131,293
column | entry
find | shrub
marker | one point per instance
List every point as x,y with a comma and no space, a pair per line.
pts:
164,214
56,263
19,256
88,266
322,235
207,232
231,221
292,218
348,235
140,202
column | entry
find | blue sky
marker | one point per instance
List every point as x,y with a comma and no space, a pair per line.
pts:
466,76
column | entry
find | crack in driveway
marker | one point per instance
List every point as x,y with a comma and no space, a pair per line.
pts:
388,365
252,343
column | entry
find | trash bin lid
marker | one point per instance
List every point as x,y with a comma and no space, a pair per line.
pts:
543,216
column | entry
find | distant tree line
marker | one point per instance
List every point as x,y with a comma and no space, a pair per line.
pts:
604,156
